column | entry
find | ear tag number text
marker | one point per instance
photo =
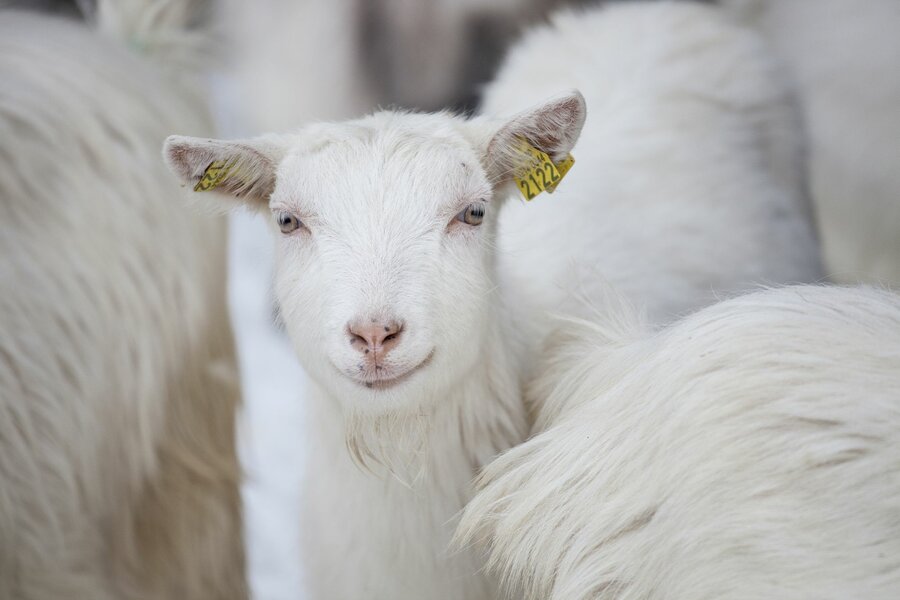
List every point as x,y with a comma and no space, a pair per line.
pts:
538,173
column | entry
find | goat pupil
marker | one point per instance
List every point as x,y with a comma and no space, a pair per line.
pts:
286,222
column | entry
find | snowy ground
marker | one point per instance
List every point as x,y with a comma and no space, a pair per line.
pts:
270,425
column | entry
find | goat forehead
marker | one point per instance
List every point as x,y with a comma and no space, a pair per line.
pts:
367,176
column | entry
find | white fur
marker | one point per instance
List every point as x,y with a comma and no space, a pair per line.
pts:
118,387
842,57
687,179
751,450
378,198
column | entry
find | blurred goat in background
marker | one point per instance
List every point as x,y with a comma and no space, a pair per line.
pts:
118,382
844,58
338,59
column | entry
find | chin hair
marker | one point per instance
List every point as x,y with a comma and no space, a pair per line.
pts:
392,442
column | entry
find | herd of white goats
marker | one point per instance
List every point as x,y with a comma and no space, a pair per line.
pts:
587,396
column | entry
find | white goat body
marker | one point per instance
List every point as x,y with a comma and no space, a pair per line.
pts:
368,235
688,180
842,59
751,450
118,385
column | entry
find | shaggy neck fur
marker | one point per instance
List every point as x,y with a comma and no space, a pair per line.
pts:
394,510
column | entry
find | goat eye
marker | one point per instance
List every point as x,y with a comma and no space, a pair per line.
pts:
288,223
472,215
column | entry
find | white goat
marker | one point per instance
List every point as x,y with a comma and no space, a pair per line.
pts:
118,387
843,60
386,274
751,450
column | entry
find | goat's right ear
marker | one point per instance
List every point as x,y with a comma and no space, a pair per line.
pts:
244,169
552,127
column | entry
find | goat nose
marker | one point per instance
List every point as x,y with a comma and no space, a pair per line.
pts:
375,336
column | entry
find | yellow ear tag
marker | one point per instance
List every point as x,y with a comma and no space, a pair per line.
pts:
563,167
538,173
214,175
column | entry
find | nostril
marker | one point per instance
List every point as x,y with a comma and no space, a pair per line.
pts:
393,330
357,338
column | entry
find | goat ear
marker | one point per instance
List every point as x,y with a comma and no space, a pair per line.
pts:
244,169
552,127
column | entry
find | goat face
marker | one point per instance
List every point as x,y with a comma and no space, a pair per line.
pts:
385,231
384,270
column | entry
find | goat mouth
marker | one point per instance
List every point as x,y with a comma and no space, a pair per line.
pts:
383,383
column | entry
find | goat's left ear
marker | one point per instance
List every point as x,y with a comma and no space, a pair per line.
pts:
552,127
244,169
